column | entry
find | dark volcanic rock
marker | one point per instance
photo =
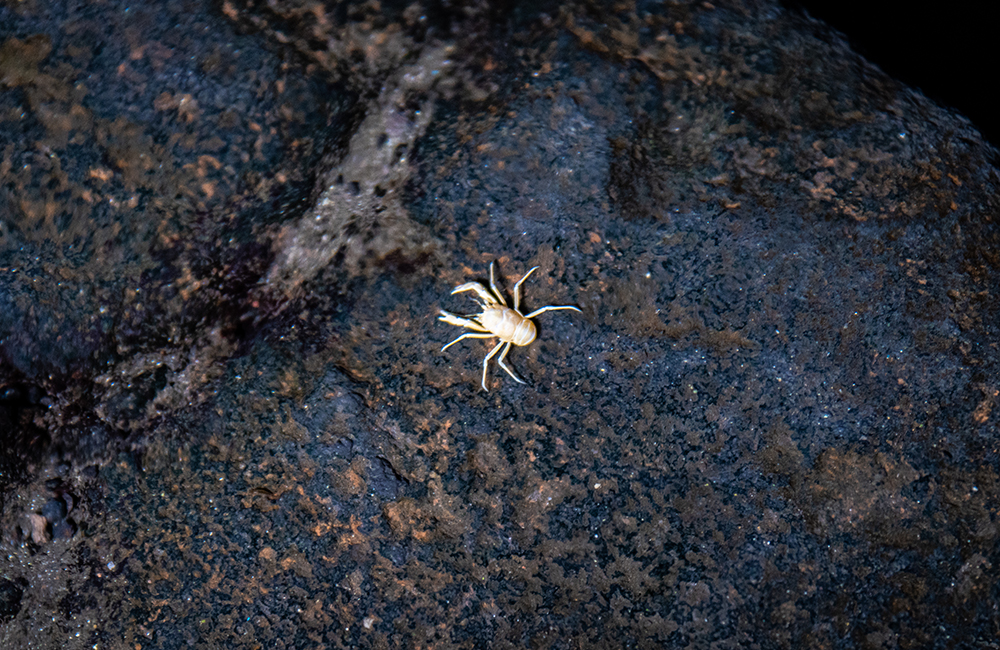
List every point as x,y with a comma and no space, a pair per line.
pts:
146,150
10,599
228,236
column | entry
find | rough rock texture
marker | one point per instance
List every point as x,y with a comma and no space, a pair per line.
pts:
225,234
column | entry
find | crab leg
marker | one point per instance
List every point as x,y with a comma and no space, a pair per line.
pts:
479,289
517,288
500,361
496,290
551,308
468,335
487,360
454,319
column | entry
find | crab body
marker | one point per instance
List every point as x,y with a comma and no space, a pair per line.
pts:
508,325
497,320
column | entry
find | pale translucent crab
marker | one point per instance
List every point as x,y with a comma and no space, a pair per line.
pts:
497,320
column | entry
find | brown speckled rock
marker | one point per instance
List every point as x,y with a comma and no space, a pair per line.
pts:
774,424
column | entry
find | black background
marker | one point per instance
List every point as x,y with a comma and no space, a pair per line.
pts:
946,50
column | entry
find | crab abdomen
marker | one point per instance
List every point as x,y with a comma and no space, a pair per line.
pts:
508,325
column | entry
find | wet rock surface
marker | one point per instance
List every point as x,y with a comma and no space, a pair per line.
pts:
227,231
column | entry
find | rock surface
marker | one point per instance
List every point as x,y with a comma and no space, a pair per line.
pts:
226,233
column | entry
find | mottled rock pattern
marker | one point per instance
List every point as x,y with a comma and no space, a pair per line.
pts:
226,238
